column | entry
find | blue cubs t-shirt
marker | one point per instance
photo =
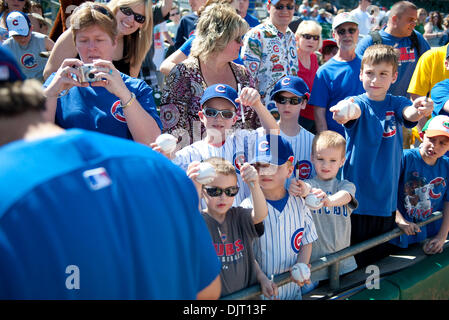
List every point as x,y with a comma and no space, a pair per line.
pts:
373,153
423,189
89,216
334,81
96,109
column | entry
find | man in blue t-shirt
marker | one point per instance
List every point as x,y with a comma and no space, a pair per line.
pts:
339,77
398,34
89,216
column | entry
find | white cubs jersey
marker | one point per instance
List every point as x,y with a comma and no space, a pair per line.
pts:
238,149
286,231
302,151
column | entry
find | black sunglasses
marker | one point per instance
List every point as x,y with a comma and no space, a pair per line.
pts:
137,17
342,31
281,7
174,14
212,113
216,191
310,36
97,8
283,100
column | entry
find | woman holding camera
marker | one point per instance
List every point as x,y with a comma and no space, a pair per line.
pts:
112,102
135,29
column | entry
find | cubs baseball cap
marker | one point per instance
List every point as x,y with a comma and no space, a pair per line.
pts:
437,126
9,68
272,149
292,84
343,18
273,2
220,91
18,24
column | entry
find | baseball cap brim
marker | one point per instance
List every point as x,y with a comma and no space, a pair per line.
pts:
435,133
434,130
218,96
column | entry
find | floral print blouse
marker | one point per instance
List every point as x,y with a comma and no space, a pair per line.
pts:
181,100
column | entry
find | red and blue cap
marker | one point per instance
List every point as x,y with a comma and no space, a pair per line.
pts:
9,68
220,91
18,24
292,84
272,149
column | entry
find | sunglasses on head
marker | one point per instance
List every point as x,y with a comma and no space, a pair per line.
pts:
216,191
310,36
283,100
281,7
212,113
97,8
127,11
342,31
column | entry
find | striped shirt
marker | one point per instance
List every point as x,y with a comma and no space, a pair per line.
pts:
286,231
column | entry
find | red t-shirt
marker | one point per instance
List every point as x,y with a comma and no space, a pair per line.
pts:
308,75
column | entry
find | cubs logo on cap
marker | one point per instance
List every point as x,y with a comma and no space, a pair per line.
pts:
272,149
292,84
437,126
220,91
18,24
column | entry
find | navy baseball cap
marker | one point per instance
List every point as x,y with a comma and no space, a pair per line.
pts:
272,149
220,91
292,84
9,68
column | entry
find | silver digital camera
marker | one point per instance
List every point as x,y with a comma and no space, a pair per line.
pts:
87,75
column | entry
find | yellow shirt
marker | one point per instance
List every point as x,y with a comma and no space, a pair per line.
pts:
429,70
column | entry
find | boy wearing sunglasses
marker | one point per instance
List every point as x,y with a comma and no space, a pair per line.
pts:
289,228
291,95
233,229
218,115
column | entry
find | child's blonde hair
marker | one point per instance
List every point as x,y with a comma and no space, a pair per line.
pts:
328,139
379,53
222,166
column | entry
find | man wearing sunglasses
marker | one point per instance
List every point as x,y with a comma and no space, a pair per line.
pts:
339,77
400,34
269,49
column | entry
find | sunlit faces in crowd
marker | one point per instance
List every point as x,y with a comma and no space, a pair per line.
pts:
289,105
273,177
220,193
218,115
328,161
130,18
405,23
346,35
377,79
94,43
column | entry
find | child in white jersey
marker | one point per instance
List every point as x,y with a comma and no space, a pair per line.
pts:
289,227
